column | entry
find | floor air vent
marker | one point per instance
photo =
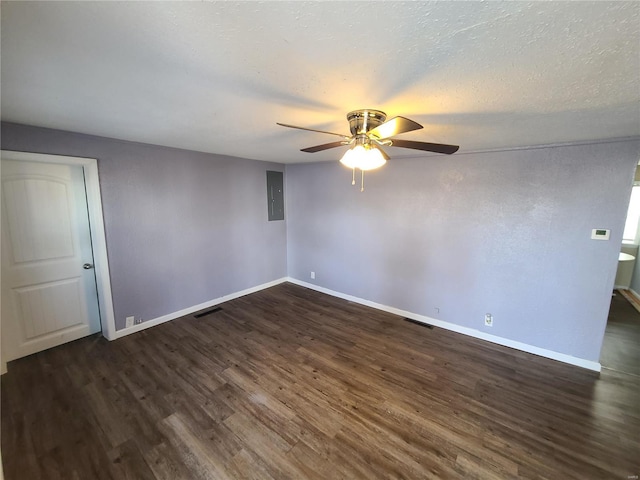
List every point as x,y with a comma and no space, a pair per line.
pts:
422,324
208,312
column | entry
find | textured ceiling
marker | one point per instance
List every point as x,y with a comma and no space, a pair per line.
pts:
217,76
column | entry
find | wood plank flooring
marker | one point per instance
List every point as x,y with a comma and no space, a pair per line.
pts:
288,383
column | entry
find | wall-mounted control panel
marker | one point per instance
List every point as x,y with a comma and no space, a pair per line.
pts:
600,234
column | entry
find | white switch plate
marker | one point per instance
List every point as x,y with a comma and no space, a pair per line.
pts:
600,234
130,321
313,275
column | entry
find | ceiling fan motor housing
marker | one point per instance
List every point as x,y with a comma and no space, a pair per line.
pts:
361,121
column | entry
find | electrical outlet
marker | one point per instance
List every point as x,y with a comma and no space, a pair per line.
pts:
313,275
129,322
437,309
138,321
488,320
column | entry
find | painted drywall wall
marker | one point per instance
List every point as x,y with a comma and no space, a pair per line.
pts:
182,227
453,238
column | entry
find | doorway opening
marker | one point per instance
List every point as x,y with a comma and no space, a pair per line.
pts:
621,343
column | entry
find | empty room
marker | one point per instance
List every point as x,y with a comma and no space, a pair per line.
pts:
319,240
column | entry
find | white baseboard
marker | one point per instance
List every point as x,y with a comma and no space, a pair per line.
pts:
187,311
561,357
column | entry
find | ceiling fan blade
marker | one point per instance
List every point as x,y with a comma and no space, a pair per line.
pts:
427,147
326,146
395,126
313,130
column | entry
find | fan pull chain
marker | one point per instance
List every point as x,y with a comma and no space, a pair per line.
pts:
362,186
353,176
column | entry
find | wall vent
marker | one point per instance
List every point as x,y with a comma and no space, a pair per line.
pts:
422,324
208,312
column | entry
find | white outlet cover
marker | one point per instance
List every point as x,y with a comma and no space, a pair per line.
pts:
130,321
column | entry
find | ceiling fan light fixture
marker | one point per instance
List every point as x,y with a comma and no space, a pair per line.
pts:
352,157
363,157
372,160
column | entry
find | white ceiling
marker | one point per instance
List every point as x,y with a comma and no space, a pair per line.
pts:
217,76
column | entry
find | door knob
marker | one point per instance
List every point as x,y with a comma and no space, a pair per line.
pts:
87,266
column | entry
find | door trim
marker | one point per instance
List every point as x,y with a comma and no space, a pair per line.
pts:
96,225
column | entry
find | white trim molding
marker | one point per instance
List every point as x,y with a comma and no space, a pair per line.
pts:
542,352
96,225
188,311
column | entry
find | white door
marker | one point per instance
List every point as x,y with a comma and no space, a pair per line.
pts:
49,292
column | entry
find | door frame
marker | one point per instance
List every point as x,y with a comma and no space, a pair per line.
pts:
96,226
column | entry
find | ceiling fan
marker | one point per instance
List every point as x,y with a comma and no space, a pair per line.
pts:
369,133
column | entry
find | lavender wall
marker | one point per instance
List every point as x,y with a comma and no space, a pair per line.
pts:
182,227
506,233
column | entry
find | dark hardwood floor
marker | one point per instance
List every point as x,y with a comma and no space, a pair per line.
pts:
291,383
